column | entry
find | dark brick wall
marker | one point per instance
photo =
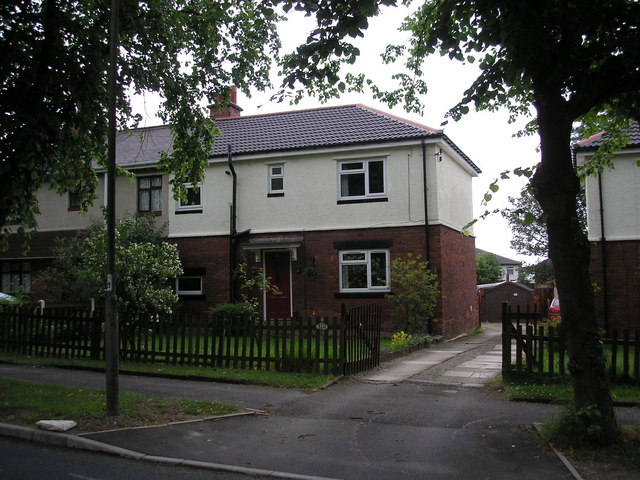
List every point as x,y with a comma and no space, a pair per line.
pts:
212,255
453,255
623,283
315,274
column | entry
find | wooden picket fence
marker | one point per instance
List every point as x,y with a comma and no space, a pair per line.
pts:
531,348
339,345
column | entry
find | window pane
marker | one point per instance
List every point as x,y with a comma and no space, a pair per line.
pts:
376,177
193,197
352,166
143,200
6,282
277,184
353,256
156,181
26,282
276,170
145,182
352,185
354,276
156,204
378,269
189,284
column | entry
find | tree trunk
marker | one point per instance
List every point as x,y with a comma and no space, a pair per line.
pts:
556,187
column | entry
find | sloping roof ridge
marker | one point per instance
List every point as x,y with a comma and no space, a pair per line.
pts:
286,112
400,119
598,138
595,136
139,129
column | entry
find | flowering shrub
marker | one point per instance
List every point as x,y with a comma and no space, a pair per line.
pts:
400,340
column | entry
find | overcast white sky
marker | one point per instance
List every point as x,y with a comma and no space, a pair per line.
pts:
485,137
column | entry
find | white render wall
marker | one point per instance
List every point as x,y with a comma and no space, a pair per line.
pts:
54,208
311,193
621,194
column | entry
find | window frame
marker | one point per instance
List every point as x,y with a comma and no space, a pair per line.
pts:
195,208
74,201
9,268
150,189
273,176
365,171
370,288
189,292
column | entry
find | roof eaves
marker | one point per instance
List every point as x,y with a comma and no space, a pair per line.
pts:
457,149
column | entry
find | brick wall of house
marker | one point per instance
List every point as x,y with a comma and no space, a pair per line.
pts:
316,277
209,255
623,283
453,255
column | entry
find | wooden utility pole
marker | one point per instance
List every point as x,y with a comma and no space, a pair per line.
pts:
111,304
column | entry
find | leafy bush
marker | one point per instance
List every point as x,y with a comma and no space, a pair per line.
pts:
414,291
229,311
401,340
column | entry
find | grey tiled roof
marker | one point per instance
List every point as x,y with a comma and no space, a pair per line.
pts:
598,139
502,260
287,131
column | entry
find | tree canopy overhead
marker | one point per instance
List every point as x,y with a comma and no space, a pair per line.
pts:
53,62
567,62
53,97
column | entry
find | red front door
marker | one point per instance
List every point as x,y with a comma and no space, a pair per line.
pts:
277,267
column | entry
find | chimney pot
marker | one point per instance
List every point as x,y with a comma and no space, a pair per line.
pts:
227,108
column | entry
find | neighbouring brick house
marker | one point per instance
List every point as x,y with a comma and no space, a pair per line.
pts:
322,199
510,268
613,221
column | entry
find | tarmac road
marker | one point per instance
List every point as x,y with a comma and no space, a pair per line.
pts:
356,429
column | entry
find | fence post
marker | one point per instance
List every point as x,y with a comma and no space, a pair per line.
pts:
343,340
96,335
506,342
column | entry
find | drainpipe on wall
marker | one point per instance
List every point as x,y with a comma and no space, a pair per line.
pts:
232,227
426,204
603,249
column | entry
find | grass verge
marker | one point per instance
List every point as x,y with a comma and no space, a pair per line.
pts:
620,461
301,381
617,461
24,403
557,390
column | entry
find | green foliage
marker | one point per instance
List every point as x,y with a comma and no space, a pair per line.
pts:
540,273
145,266
529,225
253,284
229,310
580,428
488,269
414,290
53,101
400,340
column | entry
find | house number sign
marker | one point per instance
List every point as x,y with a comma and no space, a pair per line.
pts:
321,326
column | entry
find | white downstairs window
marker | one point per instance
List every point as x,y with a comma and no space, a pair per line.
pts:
364,271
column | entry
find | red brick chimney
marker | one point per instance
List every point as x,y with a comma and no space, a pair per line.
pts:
227,108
